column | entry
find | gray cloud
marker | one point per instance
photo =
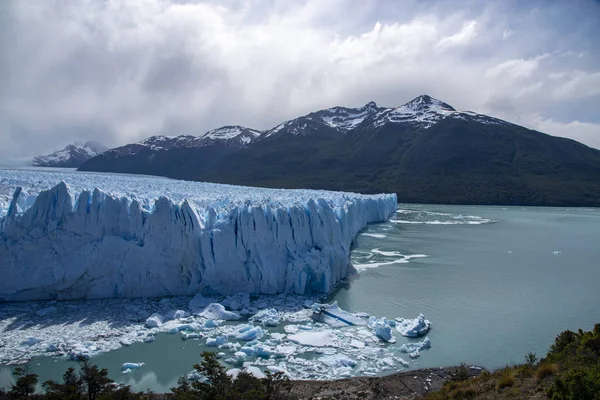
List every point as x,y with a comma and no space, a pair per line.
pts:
118,71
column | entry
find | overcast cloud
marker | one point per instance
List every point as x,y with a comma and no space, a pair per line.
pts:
118,71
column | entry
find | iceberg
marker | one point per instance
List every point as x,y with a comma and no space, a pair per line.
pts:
382,329
268,317
413,349
84,235
333,315
218,312
154,321
413,327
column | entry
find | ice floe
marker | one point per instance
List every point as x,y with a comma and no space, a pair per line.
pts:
413,327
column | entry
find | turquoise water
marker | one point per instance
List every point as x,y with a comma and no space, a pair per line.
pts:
496,283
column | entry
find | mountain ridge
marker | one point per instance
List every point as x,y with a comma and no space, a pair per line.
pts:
424,150
72,156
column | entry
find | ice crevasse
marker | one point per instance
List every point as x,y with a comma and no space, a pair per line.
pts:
74,235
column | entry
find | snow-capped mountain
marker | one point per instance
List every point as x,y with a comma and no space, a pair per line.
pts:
424,150
174,156
340,119
230,136
421,112
71,156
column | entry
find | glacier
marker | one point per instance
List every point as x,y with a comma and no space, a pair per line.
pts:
87,235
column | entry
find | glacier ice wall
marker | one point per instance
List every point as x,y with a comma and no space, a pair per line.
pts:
63,238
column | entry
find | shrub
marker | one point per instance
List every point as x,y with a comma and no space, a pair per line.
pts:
545,370
531,359
460,373
579,383
507,379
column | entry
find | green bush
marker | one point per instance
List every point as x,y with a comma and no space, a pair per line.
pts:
579,383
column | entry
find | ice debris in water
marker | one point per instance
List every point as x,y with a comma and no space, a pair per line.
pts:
382,329
154,321
217,311
413,327
112,235
131,366
268,317
413,349
333,315
301,346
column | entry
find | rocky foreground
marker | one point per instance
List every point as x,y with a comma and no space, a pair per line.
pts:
401,385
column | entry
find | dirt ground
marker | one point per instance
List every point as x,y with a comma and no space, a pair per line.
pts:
401,385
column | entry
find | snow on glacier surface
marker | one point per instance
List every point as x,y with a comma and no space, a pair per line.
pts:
87,235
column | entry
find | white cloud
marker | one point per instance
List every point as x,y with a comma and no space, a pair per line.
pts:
461,38
122,70
520,68
579,85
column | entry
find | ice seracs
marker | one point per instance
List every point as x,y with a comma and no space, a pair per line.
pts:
80,235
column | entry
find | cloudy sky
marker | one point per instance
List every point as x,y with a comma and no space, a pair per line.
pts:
118,71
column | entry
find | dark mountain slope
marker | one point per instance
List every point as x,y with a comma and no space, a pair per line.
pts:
425,151
454,161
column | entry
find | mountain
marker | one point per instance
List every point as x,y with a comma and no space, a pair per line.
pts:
174,156
71,156
425,151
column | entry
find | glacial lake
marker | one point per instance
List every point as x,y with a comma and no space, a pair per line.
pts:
495,282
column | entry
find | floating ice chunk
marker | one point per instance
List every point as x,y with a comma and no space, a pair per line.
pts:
337,360
249,350
382,329
556,253
358,344
132,366
46,311
52,347
413,349
154,321
30,341
264,351
127,371
175,314
198,302
253,333
190,335
211,323
149,339
413,327
316,339
216,342
374,235
217,311
220,354
290,328
268,317
333,315
238,358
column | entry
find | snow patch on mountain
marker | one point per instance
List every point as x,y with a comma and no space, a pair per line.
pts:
84,235
71,156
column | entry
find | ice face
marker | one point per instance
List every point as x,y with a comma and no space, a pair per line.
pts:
76,235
